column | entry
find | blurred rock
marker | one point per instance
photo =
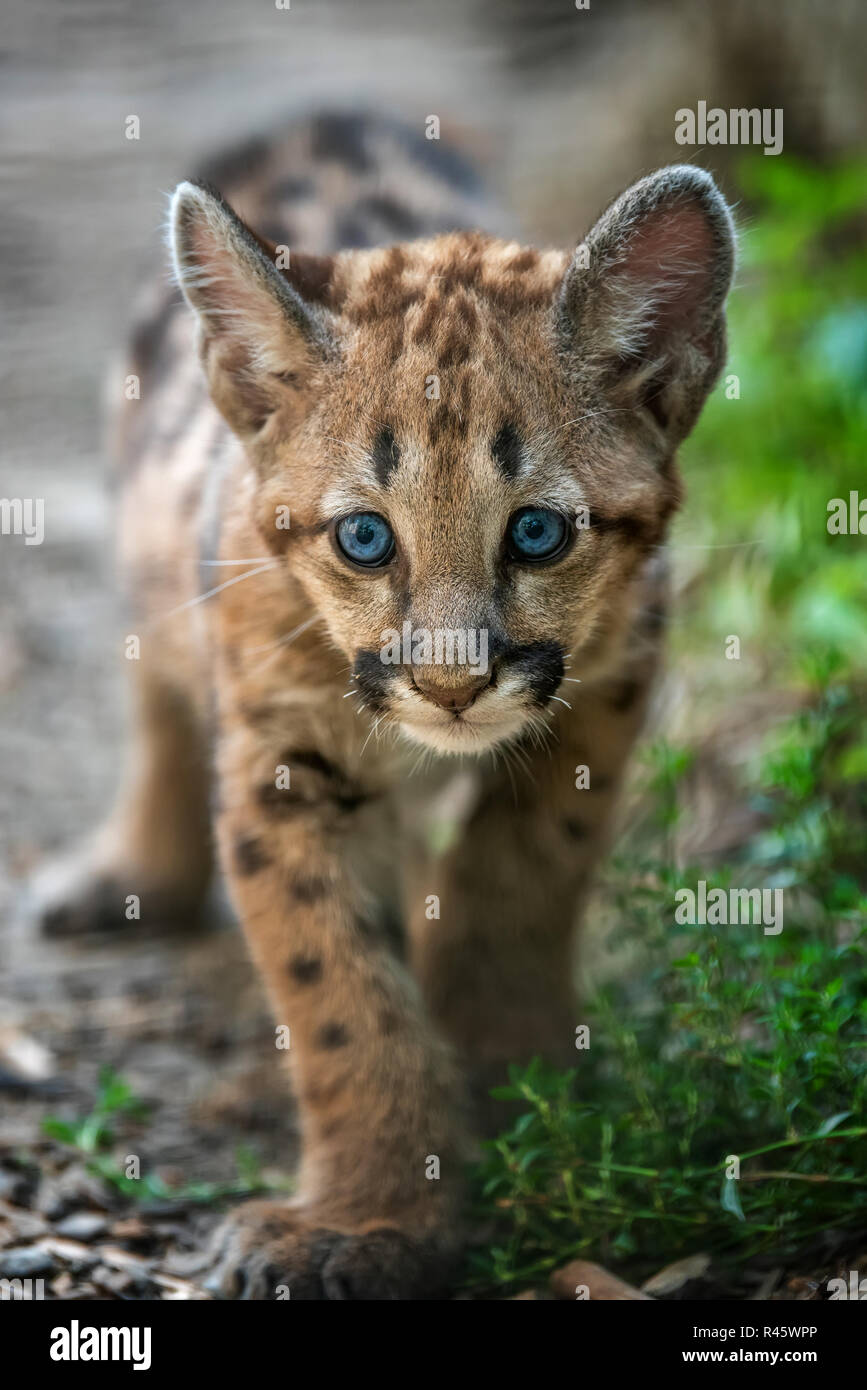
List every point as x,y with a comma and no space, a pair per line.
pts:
674,1276
82,1225
26,1262
603,1286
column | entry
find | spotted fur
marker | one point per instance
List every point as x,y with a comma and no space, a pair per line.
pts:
409,362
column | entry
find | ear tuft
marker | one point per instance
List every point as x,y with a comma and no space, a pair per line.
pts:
642,306
254,326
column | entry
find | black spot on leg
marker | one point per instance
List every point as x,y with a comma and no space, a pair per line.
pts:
309,889
305,969
332,1036
386,456
332,787
249,855
383,928
507,452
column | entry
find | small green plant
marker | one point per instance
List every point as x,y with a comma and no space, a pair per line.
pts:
720,1041
92,1135
93,1132
722,1044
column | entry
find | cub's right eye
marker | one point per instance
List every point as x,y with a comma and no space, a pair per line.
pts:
365,538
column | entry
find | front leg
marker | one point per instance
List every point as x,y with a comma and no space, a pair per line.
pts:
375,1086
497,967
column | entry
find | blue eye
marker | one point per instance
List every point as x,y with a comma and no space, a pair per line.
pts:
534,533
365,538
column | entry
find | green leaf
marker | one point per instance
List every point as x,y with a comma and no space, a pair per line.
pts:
730,1198
831,1124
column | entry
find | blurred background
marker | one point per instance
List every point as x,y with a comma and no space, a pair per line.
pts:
563,108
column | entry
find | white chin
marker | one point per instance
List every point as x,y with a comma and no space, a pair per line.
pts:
458,736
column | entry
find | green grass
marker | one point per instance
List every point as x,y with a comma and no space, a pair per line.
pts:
93,1137
720,1041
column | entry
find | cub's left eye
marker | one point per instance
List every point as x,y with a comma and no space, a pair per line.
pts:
366,538
534,533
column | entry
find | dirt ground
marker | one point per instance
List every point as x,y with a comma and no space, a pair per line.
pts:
563,116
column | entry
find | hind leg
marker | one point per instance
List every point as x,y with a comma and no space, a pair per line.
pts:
155,847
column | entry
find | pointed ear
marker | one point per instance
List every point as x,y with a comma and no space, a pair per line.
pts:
642,304
259,339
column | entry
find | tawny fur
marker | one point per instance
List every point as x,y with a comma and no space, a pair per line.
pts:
597,370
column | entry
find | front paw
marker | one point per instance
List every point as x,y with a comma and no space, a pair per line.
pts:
269,1250
81,896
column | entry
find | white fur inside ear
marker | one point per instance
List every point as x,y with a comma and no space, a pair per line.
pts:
239,296
643,308
191,207
255,330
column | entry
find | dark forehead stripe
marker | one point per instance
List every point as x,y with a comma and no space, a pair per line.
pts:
386,456
507,452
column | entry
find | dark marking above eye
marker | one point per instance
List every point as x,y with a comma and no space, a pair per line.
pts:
632,528
386,456
507,452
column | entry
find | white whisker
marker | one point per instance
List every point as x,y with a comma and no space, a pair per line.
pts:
286,639
200,598
370,735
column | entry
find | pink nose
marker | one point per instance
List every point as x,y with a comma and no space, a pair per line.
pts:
451,697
